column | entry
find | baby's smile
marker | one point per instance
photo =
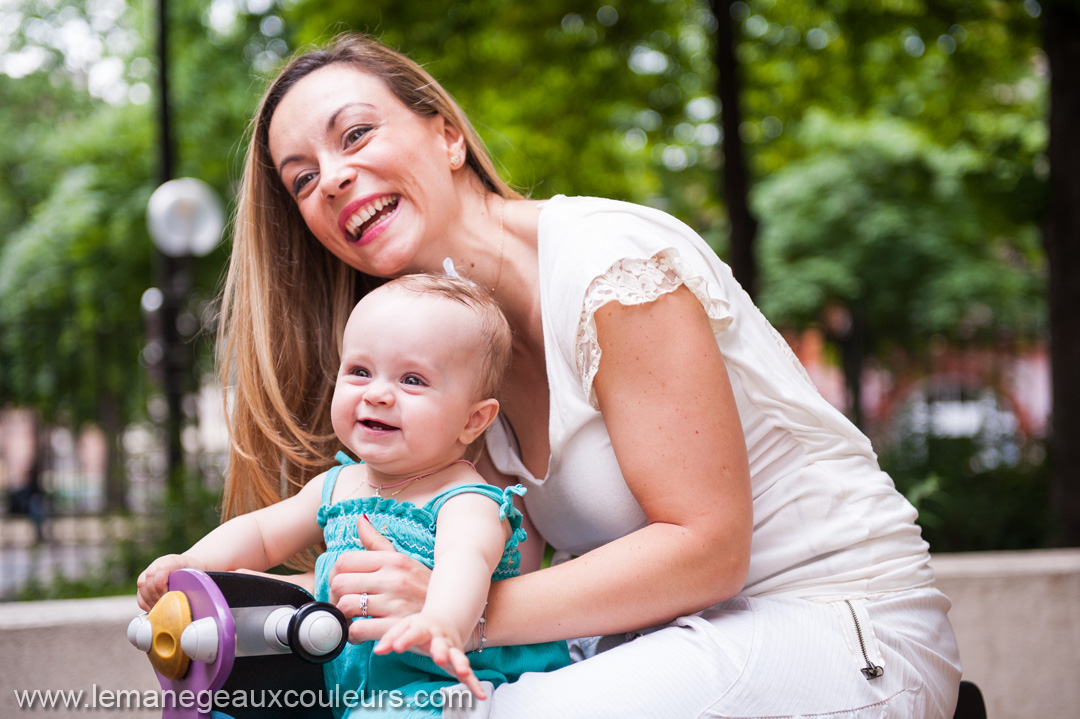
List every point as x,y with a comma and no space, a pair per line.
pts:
378,426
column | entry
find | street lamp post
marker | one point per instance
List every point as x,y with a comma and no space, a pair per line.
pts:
185,219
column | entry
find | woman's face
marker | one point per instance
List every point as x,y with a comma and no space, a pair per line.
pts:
371,178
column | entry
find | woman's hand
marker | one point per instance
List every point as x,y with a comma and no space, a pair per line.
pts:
154,580
395,585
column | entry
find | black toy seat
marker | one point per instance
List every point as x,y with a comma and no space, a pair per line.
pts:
970,704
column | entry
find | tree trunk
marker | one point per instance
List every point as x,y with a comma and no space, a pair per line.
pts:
115,477
1061,240
853,351
845,327
735,178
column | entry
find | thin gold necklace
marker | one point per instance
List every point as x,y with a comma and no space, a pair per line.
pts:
502,241
380,487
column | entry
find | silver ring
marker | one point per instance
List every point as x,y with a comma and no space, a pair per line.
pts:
363,605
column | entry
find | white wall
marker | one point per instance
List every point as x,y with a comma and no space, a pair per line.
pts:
1017,619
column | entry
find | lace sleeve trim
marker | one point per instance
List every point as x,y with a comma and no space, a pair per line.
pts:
634,281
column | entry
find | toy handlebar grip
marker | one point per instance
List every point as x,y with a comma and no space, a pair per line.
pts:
140,633
318,632
200,640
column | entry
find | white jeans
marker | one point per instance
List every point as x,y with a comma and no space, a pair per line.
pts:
760,657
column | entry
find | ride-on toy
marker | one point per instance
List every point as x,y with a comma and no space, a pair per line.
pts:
254,645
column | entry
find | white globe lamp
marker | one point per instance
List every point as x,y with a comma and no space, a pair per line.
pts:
185,218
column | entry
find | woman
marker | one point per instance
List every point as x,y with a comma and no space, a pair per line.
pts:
738,548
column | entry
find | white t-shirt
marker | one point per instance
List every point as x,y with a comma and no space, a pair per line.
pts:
827,521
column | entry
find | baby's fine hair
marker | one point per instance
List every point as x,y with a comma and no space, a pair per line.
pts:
495,337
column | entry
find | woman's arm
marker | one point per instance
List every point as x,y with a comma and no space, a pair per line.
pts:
257,540
667,402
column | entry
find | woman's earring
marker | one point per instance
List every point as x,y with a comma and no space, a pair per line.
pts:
455,161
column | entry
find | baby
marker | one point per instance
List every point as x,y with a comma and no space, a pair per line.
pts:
422,360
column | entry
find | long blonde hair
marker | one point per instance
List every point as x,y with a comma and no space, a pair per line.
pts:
286,298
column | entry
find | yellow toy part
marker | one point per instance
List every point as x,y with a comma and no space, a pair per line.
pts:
168,619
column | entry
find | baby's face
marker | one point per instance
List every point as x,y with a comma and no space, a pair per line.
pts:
408,381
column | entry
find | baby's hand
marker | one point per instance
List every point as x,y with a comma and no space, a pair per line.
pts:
154,581
435,637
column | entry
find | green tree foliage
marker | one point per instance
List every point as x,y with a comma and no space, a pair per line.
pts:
928,192
963,70
597,98
66,283
79,160
880,217
32,111
69,277
75,255
966,508
955,87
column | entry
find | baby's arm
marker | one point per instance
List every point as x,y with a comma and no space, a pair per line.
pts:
469,542
257,540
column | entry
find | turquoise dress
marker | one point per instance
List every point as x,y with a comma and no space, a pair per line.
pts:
411,529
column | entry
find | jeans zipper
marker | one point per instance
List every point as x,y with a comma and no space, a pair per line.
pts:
871,670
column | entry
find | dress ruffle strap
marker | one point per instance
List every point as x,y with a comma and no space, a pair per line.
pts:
507,503
503,497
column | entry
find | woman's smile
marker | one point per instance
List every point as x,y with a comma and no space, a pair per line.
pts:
365,219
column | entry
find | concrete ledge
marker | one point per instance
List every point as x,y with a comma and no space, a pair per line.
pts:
59,613
1016,615
986,565
71,645
1017,619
